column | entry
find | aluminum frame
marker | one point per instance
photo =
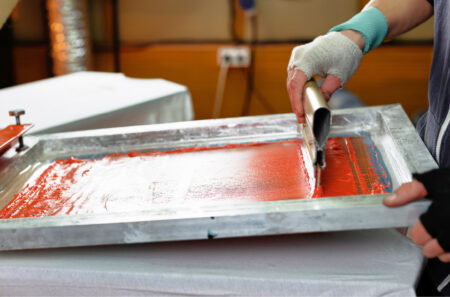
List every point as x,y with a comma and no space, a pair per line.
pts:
400,146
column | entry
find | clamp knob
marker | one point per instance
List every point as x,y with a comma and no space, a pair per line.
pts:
17,113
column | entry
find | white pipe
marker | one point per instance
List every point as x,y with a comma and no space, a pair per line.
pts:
220,89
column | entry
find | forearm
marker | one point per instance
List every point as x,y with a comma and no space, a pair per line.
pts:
402,16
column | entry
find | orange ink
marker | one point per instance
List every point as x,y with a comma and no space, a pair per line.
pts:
9,136
235,173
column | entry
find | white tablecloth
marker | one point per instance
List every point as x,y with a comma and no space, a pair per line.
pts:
90,100
357,263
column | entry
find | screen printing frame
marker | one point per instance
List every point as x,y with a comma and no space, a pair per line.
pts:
389,127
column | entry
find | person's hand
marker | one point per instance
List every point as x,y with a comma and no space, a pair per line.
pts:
432,232
334,56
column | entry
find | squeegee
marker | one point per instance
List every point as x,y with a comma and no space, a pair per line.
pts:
316,128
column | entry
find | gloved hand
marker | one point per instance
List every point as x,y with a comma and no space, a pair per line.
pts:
333,56
432,232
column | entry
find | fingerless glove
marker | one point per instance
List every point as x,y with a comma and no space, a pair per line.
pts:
436,219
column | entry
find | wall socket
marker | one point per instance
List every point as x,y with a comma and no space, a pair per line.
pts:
234,56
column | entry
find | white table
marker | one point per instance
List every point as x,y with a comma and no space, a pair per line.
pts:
357,263
90,100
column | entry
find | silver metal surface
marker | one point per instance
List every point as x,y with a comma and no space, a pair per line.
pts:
394,136
69,35
318,122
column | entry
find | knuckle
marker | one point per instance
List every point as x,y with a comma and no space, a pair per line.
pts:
427,253
290,86
404,189
294,84
432,249
409,192
299,48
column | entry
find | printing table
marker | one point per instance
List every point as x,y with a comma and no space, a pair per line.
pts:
356,263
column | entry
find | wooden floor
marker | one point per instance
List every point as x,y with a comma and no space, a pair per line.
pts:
389,74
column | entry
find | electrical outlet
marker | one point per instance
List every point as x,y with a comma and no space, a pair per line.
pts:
234,56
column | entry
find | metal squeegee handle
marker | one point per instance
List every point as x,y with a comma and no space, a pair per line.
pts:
318,117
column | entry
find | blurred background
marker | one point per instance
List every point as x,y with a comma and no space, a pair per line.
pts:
179,40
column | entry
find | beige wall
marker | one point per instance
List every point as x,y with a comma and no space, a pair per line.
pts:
210,20
301,19
168,20
6,6
146,21
278,20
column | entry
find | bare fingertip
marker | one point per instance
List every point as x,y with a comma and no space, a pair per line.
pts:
445,258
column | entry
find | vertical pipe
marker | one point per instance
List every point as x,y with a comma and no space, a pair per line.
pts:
69,35
116,35
233,8
250,18
49,60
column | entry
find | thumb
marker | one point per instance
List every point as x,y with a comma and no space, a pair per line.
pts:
406,193
329,86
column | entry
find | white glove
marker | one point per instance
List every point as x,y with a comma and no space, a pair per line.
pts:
333,56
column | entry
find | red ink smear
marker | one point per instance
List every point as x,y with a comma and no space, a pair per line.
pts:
9,136
350,170
236,172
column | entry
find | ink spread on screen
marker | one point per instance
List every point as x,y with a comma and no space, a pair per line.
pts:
233,173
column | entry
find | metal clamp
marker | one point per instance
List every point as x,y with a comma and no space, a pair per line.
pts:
17,113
